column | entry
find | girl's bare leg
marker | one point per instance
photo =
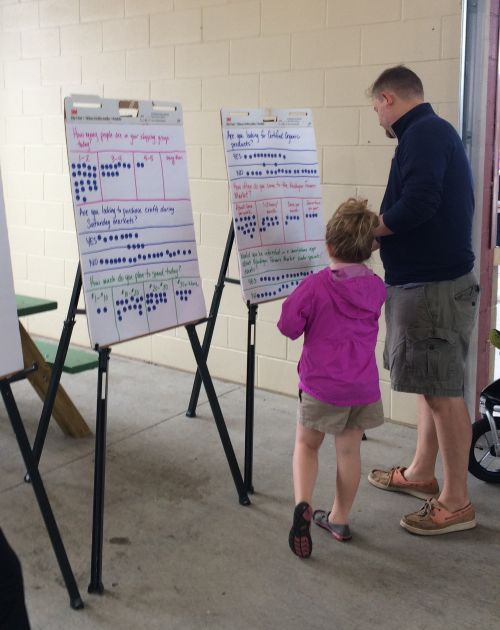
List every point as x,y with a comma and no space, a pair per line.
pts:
305,462
347,447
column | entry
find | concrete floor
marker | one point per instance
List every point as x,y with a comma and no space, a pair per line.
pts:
182,554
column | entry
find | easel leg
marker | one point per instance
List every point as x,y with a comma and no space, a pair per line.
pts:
96,585
212,317
217,413
41,497
57,369
250,395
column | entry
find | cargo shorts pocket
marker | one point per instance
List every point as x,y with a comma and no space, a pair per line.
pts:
467,305
432,352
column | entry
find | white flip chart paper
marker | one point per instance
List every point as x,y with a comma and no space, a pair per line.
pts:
274,183
134,221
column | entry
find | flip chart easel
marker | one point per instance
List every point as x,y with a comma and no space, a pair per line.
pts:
11,370
95,585
250,382
138,263
277,214
38,487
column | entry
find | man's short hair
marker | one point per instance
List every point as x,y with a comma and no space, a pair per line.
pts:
399,79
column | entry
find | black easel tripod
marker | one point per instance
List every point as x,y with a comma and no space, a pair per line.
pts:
207,339
41,496
96,585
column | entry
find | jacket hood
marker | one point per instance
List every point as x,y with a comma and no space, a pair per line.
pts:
353,291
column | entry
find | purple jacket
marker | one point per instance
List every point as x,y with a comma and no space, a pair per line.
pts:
338,313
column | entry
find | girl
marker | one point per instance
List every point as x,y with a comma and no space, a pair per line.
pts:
337,309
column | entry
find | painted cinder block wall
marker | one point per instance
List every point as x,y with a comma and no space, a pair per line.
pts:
321,54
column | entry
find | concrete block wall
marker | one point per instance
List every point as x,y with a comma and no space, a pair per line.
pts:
208,54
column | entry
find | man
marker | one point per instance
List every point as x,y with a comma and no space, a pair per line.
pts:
13,615
432,297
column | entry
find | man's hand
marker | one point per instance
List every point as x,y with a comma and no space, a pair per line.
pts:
381,229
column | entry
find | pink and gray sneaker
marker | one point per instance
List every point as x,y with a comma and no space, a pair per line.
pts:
339,532
299,538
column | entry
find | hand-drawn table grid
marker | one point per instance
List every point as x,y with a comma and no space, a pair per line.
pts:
276,205
136,239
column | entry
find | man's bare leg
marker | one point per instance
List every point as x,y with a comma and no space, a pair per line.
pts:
454,435
423,464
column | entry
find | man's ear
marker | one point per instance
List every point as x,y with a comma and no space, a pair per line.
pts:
388,97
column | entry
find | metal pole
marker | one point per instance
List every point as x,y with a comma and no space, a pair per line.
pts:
57,369
212,317
250,395
96,585
217,413
41,496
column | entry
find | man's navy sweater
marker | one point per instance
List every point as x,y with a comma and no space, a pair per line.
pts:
428,203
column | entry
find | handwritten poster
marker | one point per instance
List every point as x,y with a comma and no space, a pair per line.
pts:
134,221
11,355
274,183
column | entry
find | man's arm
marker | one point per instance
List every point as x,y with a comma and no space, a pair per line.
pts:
423,158
382,229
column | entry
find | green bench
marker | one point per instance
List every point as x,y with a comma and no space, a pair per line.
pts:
77,359
43,353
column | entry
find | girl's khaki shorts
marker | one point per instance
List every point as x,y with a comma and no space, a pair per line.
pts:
321,416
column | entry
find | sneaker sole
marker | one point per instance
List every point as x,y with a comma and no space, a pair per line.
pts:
458,527
299,538
334,534
410,491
